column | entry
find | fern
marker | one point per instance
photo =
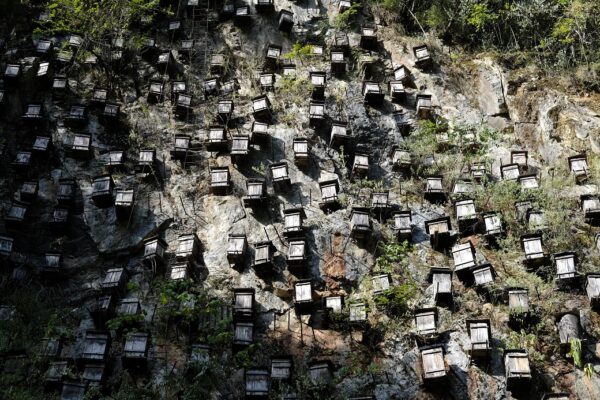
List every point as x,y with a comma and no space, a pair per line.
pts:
575,352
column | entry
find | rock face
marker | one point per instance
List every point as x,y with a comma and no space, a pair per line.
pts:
378,355
492,101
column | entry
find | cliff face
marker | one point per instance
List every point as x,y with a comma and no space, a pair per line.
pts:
481,112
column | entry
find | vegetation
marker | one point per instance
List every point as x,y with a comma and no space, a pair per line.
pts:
94,19
299,52
560,33
343,19
575,352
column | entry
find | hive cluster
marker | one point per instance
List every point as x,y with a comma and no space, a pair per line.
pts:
224,200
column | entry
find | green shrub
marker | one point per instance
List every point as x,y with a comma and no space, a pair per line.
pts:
396,300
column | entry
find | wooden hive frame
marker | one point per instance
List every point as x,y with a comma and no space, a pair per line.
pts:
480,333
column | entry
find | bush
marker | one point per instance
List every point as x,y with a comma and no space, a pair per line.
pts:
396,299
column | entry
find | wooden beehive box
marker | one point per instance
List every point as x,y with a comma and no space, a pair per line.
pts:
261,107
517,369
510,172
592,288
339,134
441,279
463,255
124,200
466,215
182,271
280,176
403,225
240,148
520,157
42,145
243,304
301,152
115,281
281,367
335,303
156,92
380,283
28,191
434,364
492,223
372,93
403,74
263,256
82,145
368,38
483,274
297,255
6,246
480,333
360,223
257,380
303,296
155,249
256,192
266,81
338,62
216,139
590,205
360,166
273,53
316,113
439,231
320,372
533,247
146,162
518,300
422,57
293,221
434,189
329,194
188,247
95,346
424,106
77,117
528,182
236,248
318,80
426,320
102,191
135,350
243,334
181,147
579,167
566,266
358,313
220,180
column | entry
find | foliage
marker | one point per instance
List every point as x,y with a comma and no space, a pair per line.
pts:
187,305
395,300
56,329
338,321
560,33
575,352
294,89
588,370
126,322
393,258
525,341
480,15
94,18
299,52
343,19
